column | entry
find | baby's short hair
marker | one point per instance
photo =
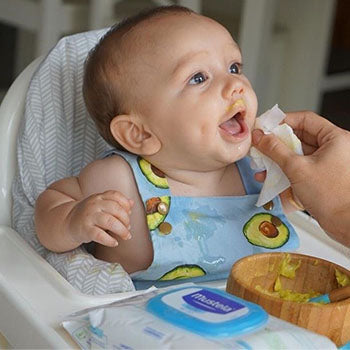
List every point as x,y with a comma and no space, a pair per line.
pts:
102,94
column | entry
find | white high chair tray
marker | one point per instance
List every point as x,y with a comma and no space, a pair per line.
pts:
34,297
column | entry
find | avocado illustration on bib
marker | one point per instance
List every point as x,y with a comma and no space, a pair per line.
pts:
182,272
153,174
266,230
157,209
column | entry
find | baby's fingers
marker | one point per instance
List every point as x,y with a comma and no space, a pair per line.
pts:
117,196
116,227
98,235
115,209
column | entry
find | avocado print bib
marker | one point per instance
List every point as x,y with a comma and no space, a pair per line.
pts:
199,238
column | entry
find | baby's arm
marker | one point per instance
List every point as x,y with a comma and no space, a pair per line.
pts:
66,217
73,211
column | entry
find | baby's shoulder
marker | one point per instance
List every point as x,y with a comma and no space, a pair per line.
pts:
108,166
111,173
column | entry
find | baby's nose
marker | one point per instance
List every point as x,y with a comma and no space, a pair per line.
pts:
233,87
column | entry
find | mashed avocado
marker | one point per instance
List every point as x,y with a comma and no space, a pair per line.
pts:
342,279
288,269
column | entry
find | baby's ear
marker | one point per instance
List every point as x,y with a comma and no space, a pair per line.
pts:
130,132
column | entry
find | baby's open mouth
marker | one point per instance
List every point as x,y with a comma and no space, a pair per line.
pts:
235,125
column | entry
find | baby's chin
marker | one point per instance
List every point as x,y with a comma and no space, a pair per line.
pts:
230,158
239,151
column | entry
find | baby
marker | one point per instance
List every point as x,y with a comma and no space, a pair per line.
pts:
175,196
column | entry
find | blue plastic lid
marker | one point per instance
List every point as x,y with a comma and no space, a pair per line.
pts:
345,346
206,311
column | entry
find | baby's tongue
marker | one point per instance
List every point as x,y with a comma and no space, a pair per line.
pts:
231,126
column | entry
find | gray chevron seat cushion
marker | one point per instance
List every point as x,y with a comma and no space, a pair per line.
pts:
56,140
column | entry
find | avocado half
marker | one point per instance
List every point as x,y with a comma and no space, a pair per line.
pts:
153,216
266,230
182,272
153,174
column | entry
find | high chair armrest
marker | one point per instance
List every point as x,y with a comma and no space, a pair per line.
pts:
35,297
25,293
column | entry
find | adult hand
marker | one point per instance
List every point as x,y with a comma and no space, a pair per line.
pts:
321,178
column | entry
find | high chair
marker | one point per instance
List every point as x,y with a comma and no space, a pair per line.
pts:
34,297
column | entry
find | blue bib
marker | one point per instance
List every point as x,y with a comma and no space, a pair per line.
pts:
201,237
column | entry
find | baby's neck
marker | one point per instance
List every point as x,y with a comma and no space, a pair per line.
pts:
222,182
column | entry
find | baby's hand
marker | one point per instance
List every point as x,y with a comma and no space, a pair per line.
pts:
101,218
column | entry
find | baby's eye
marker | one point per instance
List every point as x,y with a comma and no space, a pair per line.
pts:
235,68
198,78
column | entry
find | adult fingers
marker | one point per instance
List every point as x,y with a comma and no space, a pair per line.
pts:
274,148
308,149
310,127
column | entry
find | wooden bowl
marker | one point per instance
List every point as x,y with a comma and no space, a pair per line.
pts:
331,320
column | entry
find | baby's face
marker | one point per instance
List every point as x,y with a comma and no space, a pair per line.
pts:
187,81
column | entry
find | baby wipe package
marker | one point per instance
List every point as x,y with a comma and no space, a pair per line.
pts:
186,317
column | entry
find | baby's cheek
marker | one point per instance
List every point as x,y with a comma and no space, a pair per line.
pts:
253,108
206,129
247,145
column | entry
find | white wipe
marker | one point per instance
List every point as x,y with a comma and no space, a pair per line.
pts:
276,181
